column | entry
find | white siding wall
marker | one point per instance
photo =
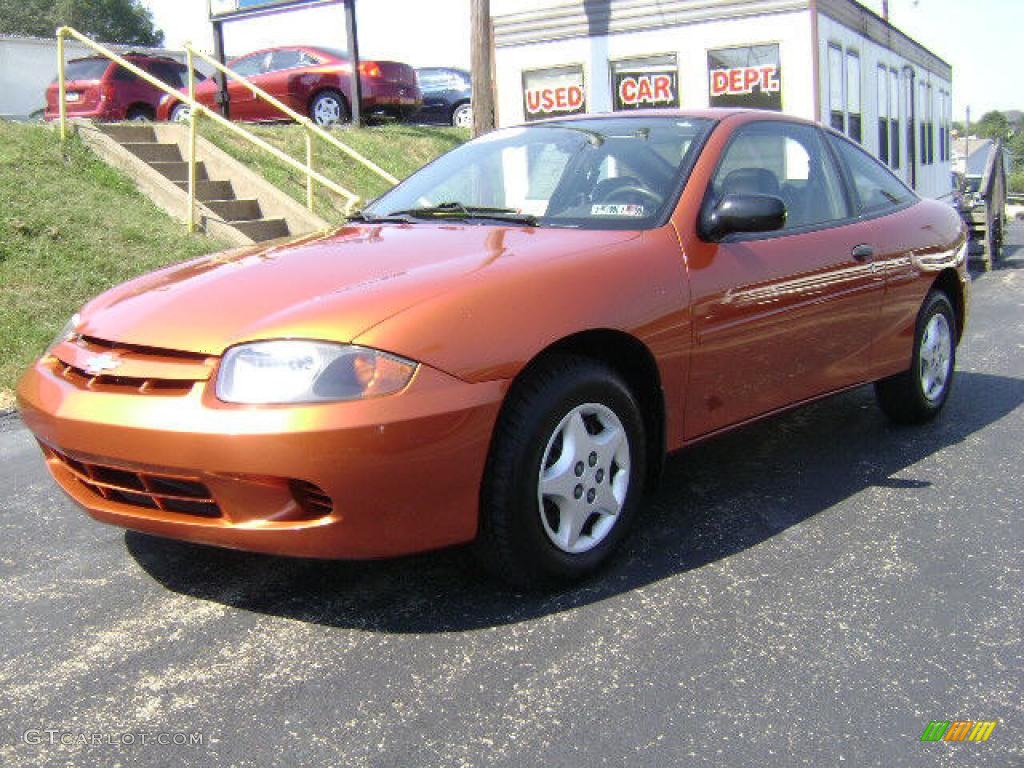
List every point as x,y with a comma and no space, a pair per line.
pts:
690,43
28,65
933,180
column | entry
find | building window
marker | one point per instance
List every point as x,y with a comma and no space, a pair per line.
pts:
853,126
646,83
554,92
747,76
883,114
931,127
895,112
922,119
835,88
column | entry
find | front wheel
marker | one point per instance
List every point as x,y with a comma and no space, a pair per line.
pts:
918,394
328,108
565,475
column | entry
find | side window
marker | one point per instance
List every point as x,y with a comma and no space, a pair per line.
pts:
307,59
876,188
788,161
284,60
250,66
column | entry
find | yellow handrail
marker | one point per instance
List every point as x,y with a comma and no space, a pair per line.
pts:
297,117
196,109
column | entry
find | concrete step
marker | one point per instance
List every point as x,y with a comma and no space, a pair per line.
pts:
262,229
210,190
154,152
177,171
127,132
235,210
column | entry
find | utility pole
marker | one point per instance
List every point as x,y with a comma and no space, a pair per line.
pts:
481,65
356,88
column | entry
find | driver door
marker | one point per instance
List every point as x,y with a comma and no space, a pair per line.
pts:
784,316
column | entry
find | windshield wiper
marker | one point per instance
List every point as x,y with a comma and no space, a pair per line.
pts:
398,218
457,210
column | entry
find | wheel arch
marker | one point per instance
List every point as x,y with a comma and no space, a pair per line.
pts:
948,281
631,359
334,87
142,106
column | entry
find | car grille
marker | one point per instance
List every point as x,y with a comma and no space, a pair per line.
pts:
311,498
147,490
137,369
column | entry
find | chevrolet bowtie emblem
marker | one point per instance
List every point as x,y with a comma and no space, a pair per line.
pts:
102,363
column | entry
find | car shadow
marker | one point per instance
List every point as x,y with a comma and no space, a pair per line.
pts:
716,499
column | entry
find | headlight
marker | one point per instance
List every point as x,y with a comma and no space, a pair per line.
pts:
272,372
66,333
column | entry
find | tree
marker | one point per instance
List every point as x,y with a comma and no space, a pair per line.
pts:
113,21
993,125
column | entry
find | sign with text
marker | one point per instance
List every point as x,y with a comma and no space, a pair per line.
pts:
553,92
645,83
748,76
221,8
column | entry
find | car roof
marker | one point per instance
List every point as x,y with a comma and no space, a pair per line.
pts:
715,113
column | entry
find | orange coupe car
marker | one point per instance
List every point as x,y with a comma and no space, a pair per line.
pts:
502,349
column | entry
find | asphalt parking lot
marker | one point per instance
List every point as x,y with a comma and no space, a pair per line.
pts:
812,590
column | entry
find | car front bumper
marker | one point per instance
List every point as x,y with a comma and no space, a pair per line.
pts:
391,476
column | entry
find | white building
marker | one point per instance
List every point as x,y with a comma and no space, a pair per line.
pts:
833,61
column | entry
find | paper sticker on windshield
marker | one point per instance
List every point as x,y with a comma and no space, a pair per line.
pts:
616,210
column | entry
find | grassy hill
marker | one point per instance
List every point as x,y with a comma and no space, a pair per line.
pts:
71,227
397,148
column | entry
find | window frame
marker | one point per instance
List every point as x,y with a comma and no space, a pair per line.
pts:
829,156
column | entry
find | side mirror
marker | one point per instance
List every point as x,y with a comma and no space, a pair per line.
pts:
743,213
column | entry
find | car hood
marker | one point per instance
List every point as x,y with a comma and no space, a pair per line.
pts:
331,287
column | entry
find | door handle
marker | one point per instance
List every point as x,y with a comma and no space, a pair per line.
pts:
863,252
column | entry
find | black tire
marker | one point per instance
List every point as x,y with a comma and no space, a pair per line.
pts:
329,108
517,537
905,398
140,114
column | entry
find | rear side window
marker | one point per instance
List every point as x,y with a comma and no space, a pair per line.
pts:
876,188
122,75
167,72
85,69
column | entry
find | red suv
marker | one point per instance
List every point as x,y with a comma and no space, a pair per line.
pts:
99,89
311,80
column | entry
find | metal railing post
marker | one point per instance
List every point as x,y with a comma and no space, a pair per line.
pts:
193,115
62,106
309,164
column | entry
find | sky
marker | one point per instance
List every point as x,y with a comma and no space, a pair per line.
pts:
436,33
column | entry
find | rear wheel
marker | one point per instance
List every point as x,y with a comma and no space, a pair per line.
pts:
565,475
462,116
918,394
328,108
140,114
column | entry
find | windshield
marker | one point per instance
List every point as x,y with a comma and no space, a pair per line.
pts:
600,173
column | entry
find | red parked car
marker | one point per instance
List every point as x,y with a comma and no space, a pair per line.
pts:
98,89
311,80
